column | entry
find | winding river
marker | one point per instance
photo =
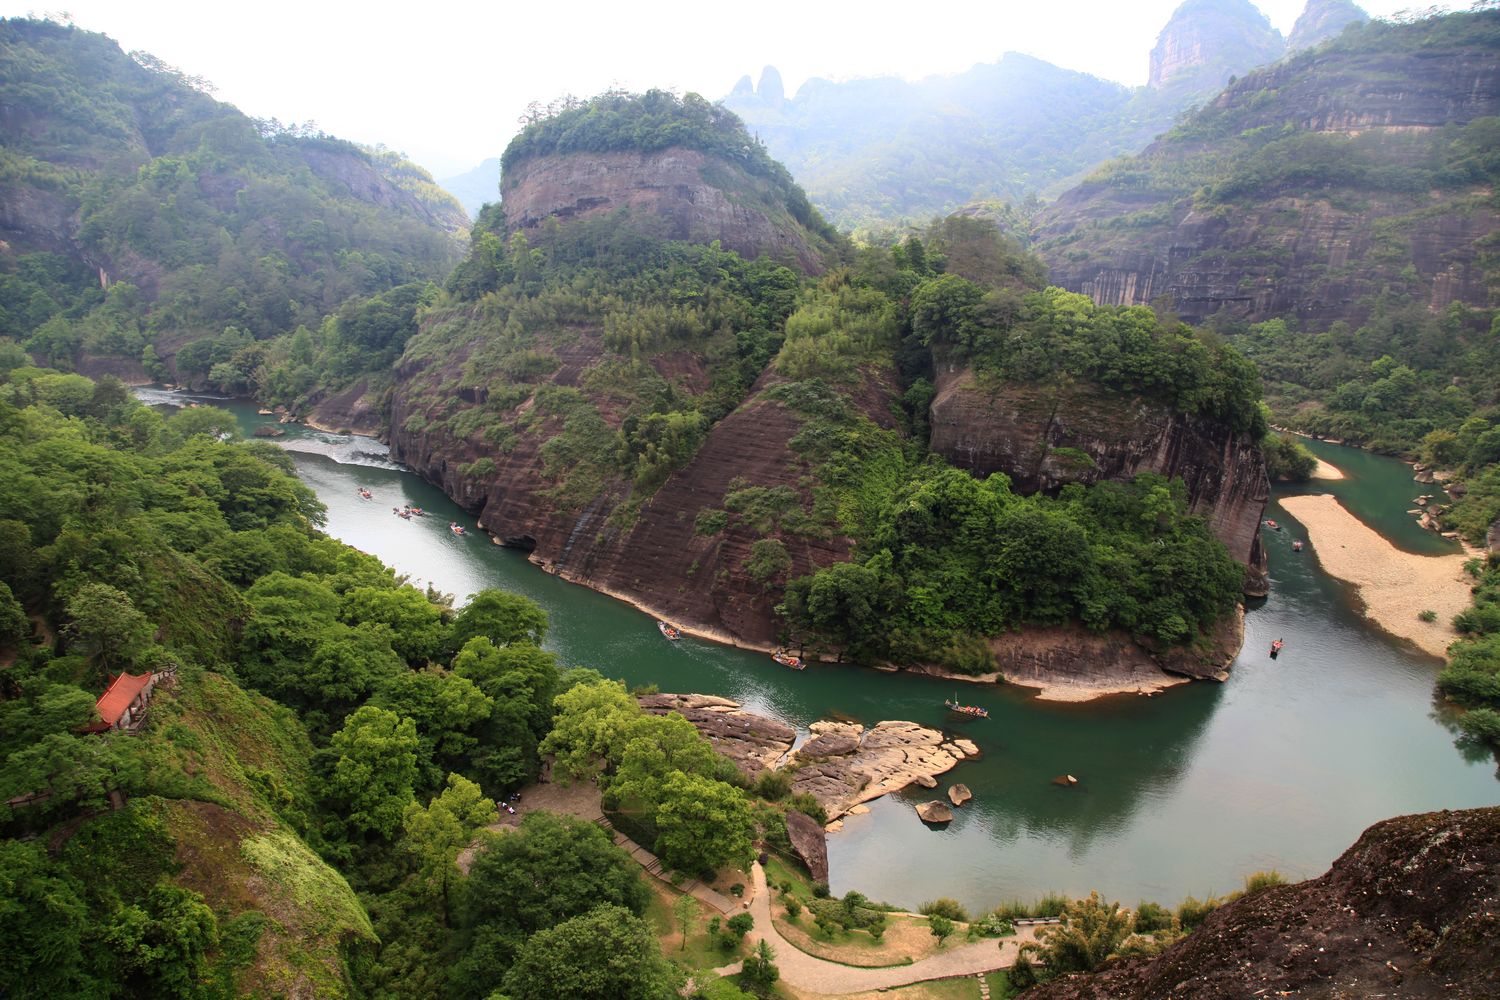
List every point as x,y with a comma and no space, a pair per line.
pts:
1184,793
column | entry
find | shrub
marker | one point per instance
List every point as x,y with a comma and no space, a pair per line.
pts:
1257,881
805,803
1193,912
739,925
773,785
944,907
1428,616
793,908
1152,917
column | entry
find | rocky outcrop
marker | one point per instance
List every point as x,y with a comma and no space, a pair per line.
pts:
696,196
754,742
809,842
934,812
1208,41
1322,20
959,794
1412,910
1312,247
355,410
845,764
1035,435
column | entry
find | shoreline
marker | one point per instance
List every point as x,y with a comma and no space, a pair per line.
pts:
1327,471
1393,586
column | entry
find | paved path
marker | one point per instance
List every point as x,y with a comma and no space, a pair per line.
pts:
808,972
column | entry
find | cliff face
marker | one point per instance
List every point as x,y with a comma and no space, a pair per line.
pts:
1036,435
1322,20
1408,911
1306,189
700,197
1207,41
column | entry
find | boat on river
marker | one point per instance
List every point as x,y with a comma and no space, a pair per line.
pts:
972,711
365,494
403,514
1275,648
672,632
1273,525
1297,545
456,528
786,659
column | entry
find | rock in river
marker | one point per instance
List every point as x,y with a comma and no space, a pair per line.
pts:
935,811
754,742
959,794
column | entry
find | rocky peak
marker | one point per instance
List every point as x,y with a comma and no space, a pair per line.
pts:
1207,41
771,89
1322,20
743,87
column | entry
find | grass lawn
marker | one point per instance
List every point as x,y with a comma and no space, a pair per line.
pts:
906,940
966,988
700,952
1000,988
780,872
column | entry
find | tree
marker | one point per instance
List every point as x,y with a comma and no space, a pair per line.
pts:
415,622
757,971
592,726
702,824
658,746
1090,932
14,625
105,622
605,954
685,909
42,918
739,925
435,835
940,926
549,869
447,709
374,770
521,680
501,617
162,941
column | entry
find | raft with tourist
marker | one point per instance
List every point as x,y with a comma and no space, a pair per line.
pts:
786,659
972,711
1276,648
669,631
365,494
456,528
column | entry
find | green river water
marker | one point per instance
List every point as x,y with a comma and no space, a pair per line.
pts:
1184,793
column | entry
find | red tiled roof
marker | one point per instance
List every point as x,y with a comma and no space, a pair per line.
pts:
117,698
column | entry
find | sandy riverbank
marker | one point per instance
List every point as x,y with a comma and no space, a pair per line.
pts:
1326,471
1395,586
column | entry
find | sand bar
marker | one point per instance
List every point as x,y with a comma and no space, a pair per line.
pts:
1326,471
1395,586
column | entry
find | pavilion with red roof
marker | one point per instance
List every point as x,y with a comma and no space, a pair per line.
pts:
123,703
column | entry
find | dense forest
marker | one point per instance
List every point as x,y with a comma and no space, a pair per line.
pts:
151,222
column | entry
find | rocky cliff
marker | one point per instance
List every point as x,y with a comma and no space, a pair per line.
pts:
1322,21
700,198
1044,437
1412,910
1207,41
1306,190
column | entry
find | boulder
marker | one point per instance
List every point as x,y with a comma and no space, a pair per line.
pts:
809,842
754,742
959,794
935,812
925,780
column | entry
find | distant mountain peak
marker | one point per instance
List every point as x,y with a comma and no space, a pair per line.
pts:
1322,20
1205,42
771,88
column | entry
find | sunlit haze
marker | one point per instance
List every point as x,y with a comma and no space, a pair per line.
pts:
445,82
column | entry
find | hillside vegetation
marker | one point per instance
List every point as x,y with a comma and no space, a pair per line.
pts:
143,218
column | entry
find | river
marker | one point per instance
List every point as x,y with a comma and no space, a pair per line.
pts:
1184,793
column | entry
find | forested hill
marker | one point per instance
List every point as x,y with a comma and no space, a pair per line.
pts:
137,213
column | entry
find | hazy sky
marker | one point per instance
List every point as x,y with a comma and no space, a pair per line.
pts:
445,80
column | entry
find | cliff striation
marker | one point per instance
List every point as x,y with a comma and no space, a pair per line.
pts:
1044,437
1409,911
1307,189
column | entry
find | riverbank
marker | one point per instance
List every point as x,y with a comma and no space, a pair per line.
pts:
1326,471
1395,587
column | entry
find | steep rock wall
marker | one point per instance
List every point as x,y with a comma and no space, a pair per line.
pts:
700,198
997,426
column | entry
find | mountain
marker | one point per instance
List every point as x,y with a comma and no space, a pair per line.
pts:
476,188
1322,21
878,152
1407,911
1205,42
661,374
1354,173
137,212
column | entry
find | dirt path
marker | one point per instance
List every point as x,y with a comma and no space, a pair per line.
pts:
817,975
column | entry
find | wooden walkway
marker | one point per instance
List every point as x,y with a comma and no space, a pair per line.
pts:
704,893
